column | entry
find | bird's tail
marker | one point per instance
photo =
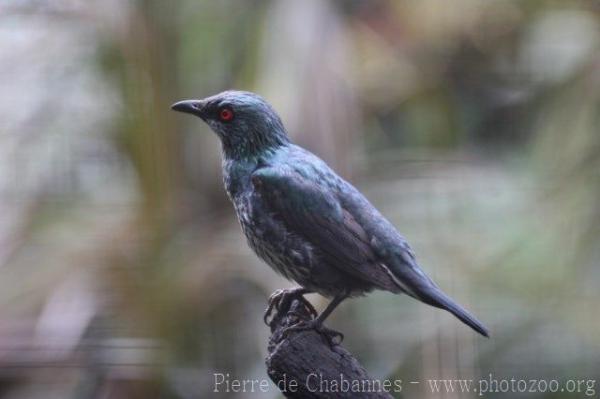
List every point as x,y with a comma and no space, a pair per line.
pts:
435,297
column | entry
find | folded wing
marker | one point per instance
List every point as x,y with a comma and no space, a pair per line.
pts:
309,210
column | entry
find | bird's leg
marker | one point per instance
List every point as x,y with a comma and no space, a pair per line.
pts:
317,323
282,299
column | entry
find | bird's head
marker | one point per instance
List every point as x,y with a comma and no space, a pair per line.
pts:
246,124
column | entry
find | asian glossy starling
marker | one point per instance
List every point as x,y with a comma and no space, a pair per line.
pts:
304,220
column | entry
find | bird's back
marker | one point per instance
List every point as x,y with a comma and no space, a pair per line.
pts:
388,250
385,240
391,263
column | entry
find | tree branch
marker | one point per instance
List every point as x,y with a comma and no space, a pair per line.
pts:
305,365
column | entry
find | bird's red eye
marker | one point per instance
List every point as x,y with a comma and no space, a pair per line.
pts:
226,114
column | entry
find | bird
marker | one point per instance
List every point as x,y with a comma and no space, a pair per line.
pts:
304,220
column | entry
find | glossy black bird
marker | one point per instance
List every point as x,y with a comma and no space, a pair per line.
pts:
304,220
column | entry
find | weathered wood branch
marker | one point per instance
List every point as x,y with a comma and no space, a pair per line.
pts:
304,365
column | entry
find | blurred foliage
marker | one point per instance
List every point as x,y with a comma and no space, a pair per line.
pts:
472,126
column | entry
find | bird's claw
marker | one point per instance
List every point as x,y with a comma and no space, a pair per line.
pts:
328,334
272,304
282,300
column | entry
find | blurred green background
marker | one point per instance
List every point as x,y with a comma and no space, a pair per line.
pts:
473,125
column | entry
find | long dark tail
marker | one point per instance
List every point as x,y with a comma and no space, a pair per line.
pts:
411,280
435,297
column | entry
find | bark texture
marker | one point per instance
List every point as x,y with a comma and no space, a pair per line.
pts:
304,365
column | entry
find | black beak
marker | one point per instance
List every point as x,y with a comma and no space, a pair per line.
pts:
194,107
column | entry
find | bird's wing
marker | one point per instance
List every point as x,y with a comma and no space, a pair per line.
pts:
311,211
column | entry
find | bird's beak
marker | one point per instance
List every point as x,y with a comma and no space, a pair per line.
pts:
189,106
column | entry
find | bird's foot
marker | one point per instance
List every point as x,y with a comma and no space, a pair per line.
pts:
332,337
281,300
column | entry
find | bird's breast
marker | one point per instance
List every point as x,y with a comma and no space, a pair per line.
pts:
285,252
